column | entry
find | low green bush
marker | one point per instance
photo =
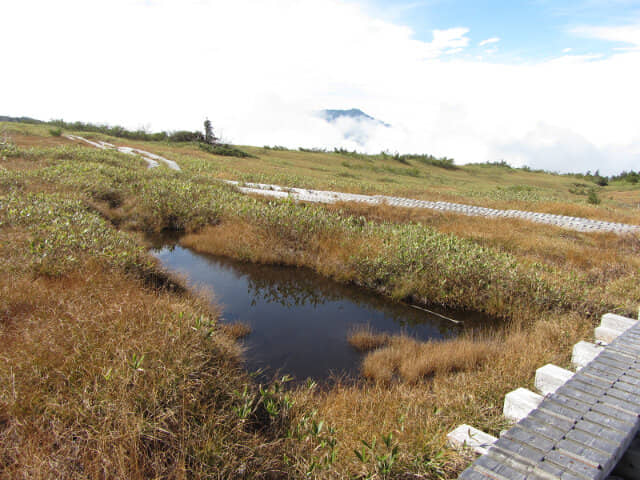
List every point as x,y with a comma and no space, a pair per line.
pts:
593,197
225,150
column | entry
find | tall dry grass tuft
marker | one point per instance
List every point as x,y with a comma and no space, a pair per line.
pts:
364,339
411,360
234,239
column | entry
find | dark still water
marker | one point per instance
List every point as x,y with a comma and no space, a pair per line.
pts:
299,319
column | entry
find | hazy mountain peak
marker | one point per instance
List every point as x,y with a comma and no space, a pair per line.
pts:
354,124
332,115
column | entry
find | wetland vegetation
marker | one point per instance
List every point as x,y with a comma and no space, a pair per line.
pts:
110,367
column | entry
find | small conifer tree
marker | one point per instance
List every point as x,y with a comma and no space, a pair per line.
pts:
209,137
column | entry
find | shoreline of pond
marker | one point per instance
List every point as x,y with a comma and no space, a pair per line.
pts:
272,300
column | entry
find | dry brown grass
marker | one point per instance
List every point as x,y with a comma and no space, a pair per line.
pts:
631,198
364,339
101,377
238,239
411,360
19,164
234,239
236,330
39,141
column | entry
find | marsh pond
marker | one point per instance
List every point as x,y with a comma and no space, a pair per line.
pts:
299,319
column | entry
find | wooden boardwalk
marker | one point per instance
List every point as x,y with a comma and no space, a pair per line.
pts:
324,196
579,432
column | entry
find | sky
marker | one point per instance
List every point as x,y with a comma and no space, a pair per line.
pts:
547,84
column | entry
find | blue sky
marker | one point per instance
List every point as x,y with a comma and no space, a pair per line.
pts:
548,84
528,30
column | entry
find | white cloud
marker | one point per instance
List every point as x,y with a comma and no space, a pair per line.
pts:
561,149
628,34
489,41
576,59
260,69
567,50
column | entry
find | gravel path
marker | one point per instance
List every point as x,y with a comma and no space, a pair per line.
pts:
324,196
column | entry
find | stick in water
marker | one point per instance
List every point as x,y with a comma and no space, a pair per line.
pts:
437,314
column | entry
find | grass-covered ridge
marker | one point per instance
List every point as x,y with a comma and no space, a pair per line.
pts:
107,368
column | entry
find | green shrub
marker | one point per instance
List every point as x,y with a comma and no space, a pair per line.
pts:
225,150
443,162
279,148
186,136
312,150
630,177
121,132
55,132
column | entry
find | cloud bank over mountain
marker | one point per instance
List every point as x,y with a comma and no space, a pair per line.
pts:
262,77
355,125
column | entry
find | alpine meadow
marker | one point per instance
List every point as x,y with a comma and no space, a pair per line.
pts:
113,367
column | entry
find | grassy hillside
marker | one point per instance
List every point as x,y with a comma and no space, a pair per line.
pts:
494,185
108,368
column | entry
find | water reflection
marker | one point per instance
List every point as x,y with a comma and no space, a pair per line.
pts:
300,319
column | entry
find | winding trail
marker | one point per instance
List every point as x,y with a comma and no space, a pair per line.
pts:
151,158
325,196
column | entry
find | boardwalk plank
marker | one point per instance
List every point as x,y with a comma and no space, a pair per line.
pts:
607,422
557,410
570,391
473,474
543,428
574,465
602,444
597,432
531,439
522,453
590,385
593,458
487,465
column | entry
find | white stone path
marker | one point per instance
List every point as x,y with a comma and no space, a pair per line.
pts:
324,196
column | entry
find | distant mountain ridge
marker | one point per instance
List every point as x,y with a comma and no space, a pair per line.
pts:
6,118
331,115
